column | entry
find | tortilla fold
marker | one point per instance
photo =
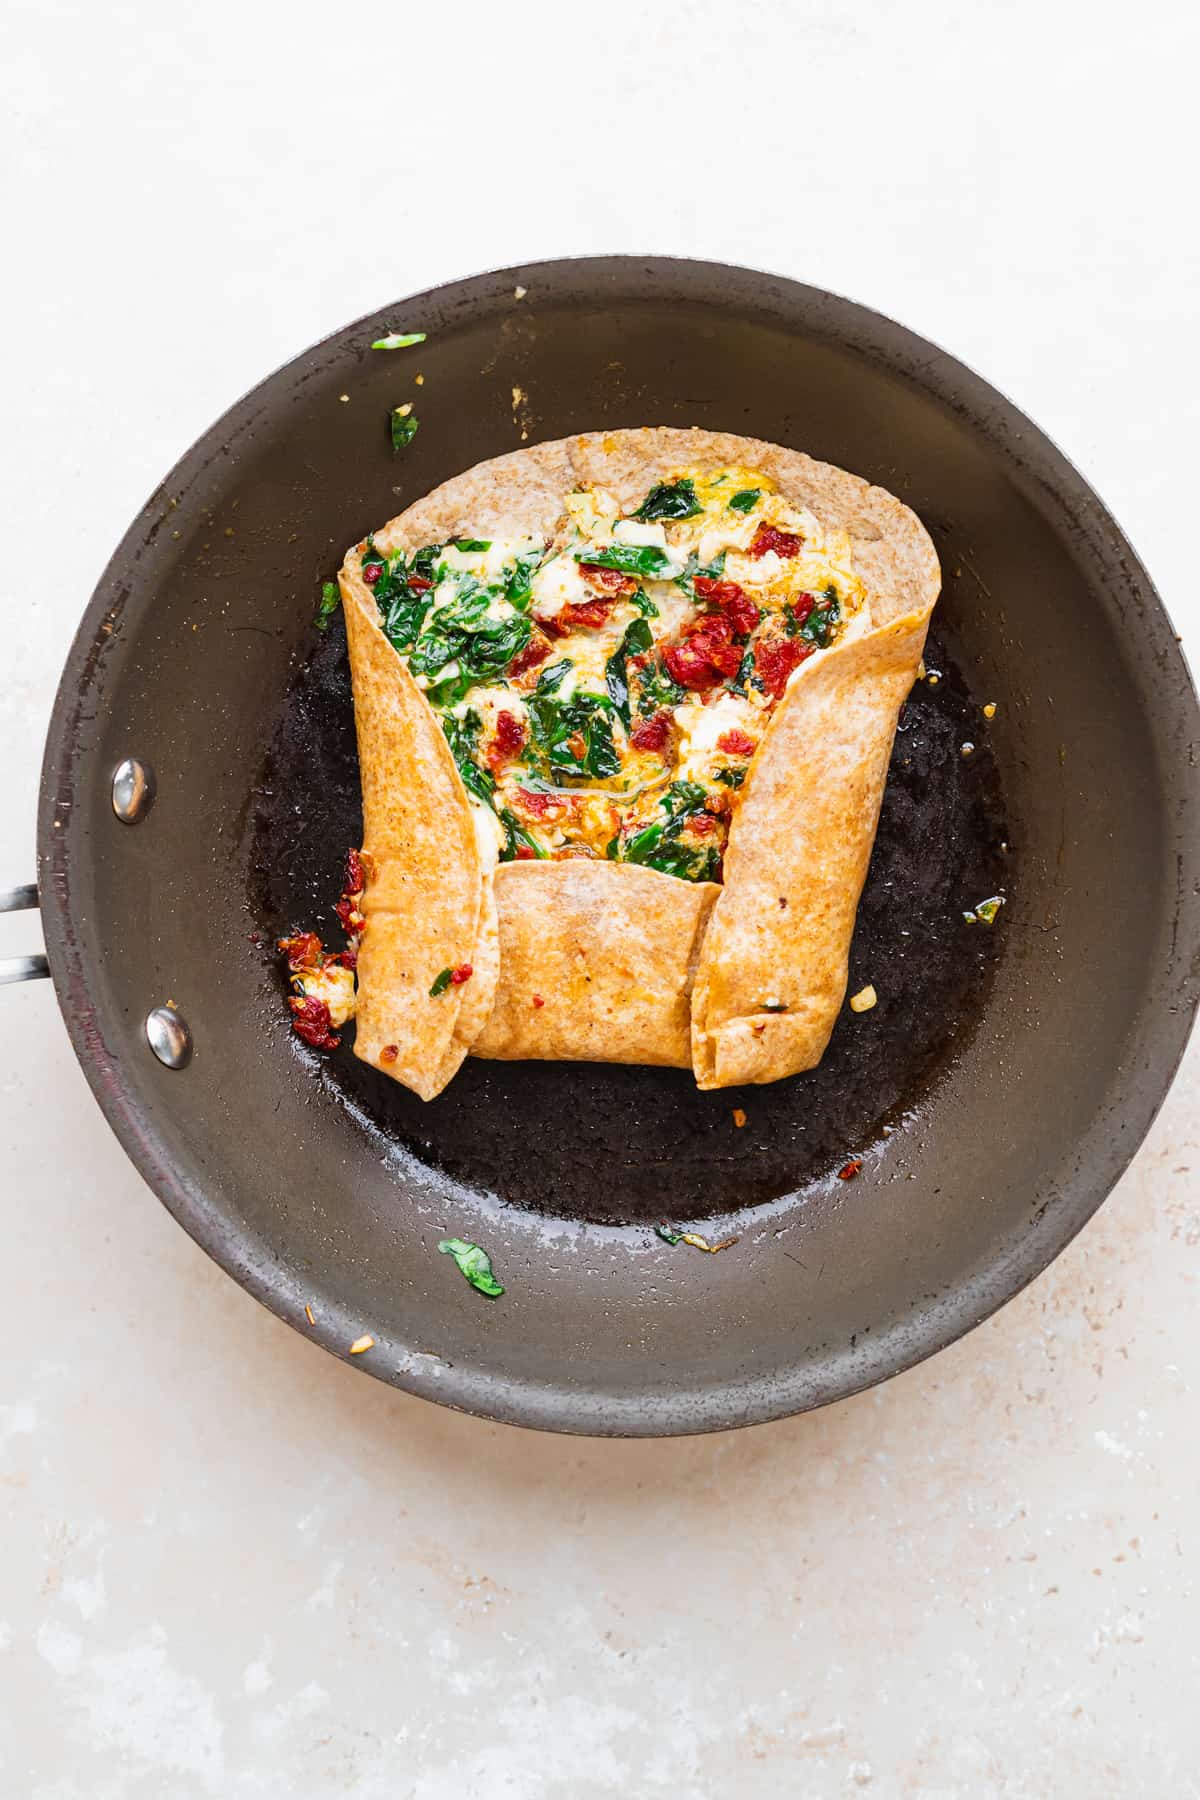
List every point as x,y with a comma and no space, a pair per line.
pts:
582,959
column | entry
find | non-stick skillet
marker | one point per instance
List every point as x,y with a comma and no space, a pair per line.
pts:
993,1096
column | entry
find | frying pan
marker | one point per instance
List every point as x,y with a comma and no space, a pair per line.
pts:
994,1094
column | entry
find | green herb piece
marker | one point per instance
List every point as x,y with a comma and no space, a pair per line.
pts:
475,1264
585,717
404,426
731,778
424,561
462,735
441,982
470,544
515,834
398,340
670,500
636,642
644,604
331,599
646,560
668,1236
985,912
743,501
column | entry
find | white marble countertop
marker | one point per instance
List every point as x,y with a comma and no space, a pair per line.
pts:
231,1567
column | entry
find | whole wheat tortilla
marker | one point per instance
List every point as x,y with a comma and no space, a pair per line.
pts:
628,963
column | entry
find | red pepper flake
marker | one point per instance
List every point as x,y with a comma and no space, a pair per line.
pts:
652,734
538,1001
311,1022
308,1313
371,573
608,581
736,742
769,537
739,1117
389,1053
733,601
463,973
851,1169
577,745
536,651
774,662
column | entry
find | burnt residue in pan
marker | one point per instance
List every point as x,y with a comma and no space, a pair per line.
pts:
607,1143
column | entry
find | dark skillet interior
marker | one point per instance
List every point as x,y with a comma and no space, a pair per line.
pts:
1014,1072
670,1152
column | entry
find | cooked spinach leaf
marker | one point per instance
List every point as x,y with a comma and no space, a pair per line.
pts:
743,501
712,571
670,500
475,1264
404,426
553,675
466,545
517,577
636,642
657,846
656,689
574,735
331,599
462,735
644,604
441,982
731,778
515,834
646,560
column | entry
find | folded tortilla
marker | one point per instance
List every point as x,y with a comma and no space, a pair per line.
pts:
601,961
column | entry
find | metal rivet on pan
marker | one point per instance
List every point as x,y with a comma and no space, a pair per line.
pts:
168,1036
132,790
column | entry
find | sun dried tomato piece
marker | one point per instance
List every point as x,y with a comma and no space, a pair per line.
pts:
511,737
304,951
736,742
590,613
727,659
608,581
526,853
702,824
371,572
536,651
802,606
463,973
688,666
769,537
311,1022
417,584
356,879
733,601
389,1053
539,805
851,1169
652,734
774,662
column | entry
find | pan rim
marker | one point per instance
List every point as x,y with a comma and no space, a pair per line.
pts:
507,1399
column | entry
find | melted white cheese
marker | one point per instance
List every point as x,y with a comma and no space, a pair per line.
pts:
557,583
633,531
487,565
700,726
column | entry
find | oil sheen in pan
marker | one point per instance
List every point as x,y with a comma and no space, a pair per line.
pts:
614,1144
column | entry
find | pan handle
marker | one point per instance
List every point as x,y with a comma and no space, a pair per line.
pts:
21,968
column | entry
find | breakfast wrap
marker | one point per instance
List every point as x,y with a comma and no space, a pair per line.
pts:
625,704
